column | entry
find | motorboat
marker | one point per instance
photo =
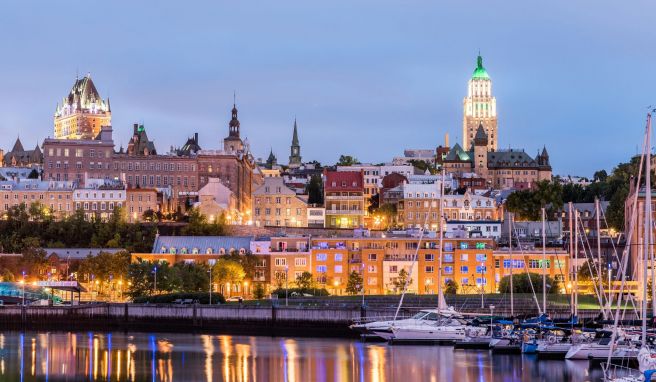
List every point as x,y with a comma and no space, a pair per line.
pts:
443,330
383,328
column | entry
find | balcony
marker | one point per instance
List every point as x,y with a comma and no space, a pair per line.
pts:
336,197
344,212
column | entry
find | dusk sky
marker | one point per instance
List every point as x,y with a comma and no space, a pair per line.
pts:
365,78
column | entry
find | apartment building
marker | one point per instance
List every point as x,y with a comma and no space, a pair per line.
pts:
275,204
344,199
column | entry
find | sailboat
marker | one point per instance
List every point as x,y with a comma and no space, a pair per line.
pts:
646,356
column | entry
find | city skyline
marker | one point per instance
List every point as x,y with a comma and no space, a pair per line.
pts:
382,79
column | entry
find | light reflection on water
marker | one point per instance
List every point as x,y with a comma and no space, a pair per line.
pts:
59,356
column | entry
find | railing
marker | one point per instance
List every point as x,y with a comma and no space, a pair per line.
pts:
619,372
344,212
337,197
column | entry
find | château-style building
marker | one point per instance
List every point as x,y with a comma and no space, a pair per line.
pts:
83,112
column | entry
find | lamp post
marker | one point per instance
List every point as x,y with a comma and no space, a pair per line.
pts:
155,280
23,285
286,285
491,316
362,283
210,272
482,285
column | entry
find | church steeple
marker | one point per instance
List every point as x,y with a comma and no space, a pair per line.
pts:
233,143
295,149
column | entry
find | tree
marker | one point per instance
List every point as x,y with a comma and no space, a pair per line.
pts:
527,204
450,287
228,272
248,261
315,190
198,225
354,284
259,291
521,283
600,176
304,280
34,260
401,280
347,160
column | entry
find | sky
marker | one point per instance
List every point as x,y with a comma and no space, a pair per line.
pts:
363,78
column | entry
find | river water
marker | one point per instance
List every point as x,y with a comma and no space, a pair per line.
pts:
98,356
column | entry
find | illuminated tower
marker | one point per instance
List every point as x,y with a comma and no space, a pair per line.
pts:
479,108
82,113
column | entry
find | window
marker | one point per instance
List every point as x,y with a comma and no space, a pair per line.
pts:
464,257
448,270
464,245
338,269
372,257
322,268
481,281
429,269
464,269
300,261
280,262
371,269
464,281
394,269
481,257
481,269
372,281
338,257
322,257
429,257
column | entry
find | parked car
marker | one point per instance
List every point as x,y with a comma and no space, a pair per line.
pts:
235,299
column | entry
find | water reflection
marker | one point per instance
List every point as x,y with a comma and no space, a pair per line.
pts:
32,356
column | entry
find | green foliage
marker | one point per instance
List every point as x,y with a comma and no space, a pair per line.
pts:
584,271
527,204
259,291
179,278
451,287
198,225
401,280
423,165
521,283
304,280
248,262
168,298
37,222
347,160
315,190
228,271
354,284
7,276
105,266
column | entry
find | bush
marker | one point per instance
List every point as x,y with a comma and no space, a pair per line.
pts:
301,291
201,297
521,284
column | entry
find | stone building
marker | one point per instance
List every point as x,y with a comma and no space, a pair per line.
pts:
19,157
479,109
275,204
344,198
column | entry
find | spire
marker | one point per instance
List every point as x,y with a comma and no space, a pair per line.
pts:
233,126
480,72
295,137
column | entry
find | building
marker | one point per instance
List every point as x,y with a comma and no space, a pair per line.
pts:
344,198
473,228
295,149
501,169
55,198
277,205
139,144
19,157
374,174
479,109
82,113
99,199
469,206
139,201
216,200
418,206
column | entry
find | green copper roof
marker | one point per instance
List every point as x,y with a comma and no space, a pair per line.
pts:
141,128
480,72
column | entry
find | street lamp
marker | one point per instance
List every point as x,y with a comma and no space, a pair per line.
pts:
482,285
155,280
286,285
23,285
362,266
210,272
491,317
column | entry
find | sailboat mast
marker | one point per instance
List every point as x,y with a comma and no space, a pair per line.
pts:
512,301
647,232
576,257
440,296
544,262
599,268
571,256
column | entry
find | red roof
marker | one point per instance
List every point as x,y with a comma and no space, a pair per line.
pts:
344,181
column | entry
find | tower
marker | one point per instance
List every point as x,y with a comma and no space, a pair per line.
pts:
479,108
295,149
481,144
82,113
233,143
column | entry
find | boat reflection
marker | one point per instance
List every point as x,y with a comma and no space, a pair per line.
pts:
57,356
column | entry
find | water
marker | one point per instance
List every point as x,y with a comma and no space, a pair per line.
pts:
95,356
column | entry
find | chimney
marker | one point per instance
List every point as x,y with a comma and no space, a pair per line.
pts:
196,138
136,127
446,140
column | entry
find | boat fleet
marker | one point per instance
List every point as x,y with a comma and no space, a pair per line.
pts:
614,342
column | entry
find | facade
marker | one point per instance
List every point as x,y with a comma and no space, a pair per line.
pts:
277,205
138,201
100,198
82,113
473,228
216,200
501,169
374,174
473,263
344,199
56,197
479,109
